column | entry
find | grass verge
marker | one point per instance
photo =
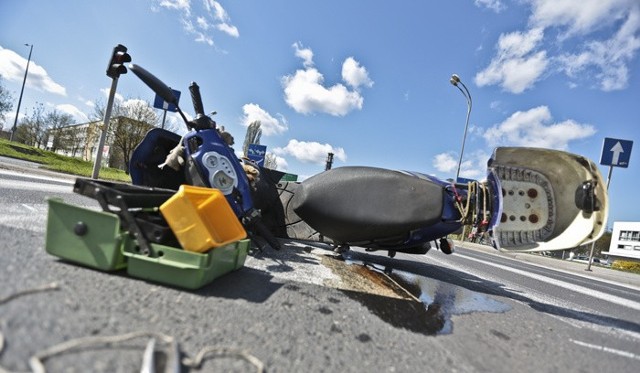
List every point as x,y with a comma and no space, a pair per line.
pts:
59,163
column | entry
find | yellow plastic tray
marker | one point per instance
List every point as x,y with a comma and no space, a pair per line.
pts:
201,218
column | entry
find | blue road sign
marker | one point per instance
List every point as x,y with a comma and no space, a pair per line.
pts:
256,153
616,152
159,103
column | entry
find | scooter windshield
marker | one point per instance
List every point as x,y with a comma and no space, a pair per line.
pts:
547,199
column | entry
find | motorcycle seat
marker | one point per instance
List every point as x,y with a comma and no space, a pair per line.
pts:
363,204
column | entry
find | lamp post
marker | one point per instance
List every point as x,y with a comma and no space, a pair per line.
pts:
26,71
455,80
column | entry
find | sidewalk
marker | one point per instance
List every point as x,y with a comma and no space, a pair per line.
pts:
578,268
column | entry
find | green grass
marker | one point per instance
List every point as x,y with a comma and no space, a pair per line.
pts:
59,163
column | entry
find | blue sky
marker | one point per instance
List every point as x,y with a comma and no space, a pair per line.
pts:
366,80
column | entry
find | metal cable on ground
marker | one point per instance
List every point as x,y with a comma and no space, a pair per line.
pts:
36,361
223,351
51,286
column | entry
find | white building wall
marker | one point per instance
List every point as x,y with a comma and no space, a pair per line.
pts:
625,240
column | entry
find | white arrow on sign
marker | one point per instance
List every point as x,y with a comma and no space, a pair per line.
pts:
617,149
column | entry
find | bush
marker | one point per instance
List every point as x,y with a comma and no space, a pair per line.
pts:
626,265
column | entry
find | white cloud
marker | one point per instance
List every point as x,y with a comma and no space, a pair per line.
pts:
517,65
608,60
202,23
305,53
199,21
596,42
578,17
305,93
354,74
219,13
310,152
231,30
12,68
117,97
473,164
445,162
182,5
268,124
281,163
78,116
535,128
495,5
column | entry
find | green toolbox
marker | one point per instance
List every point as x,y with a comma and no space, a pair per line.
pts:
130,233
83,236
185,269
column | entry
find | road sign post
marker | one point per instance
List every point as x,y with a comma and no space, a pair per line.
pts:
159,103
615,153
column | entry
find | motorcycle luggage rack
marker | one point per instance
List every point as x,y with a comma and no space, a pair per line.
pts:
131,202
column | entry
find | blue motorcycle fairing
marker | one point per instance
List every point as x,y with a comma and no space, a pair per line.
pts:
151,152
219,168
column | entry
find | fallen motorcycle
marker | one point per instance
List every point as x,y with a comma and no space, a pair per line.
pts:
200,158
532,199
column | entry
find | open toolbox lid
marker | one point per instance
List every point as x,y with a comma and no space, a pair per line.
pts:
134,196
137,207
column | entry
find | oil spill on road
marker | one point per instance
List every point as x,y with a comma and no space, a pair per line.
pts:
406,300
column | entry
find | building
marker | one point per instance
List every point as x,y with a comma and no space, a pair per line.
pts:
81,140
625,241
76,140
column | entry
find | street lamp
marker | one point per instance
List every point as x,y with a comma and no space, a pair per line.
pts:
26,71
455,80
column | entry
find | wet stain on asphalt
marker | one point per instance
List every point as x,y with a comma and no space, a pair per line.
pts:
406,300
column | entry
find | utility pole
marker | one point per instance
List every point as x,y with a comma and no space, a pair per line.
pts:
26,71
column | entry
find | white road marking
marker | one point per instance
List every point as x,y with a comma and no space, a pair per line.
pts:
28,207
579,289
42,186
614,351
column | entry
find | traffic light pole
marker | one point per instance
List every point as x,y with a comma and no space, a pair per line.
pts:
105,128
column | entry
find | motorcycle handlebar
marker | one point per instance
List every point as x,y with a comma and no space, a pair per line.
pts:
194,89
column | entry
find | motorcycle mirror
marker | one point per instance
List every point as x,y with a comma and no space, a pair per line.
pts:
154,83
158,87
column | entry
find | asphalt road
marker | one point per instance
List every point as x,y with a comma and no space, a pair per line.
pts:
305,309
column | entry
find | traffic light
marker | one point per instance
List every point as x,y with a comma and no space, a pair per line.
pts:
118,59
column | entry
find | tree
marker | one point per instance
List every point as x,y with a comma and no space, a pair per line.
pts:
32,130
252,137
5,101
270,161
130,122
60,139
